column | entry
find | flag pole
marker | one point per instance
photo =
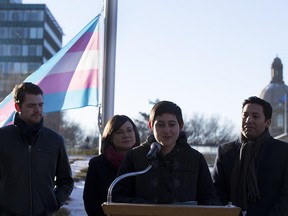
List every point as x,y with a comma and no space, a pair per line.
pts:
109,59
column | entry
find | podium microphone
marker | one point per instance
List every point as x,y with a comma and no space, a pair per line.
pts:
154,149
109,195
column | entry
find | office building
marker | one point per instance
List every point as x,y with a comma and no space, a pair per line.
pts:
29,36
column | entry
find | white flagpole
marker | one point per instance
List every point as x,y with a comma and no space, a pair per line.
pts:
109,59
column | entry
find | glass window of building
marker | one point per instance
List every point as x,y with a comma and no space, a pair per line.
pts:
36,33
35,50
39,50
17,33
2,67
37,15
32,50
15,15
15,1
3,32
25,50
24,68
15,50
17,67
3,15
11,67
33,66
33,15
4,50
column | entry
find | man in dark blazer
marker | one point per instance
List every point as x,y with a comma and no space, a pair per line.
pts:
252,172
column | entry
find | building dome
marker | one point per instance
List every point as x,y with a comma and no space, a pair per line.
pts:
276,93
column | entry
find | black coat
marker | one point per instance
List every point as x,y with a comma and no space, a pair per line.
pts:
27,173
272,174
99,176
180,176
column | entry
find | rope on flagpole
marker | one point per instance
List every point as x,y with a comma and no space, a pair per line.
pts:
100,123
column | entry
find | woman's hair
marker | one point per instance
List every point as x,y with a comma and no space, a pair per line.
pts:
166,107
112,126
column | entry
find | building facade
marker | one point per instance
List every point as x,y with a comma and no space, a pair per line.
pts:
29,36
276,93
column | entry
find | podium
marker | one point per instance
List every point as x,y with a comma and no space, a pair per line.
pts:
128,209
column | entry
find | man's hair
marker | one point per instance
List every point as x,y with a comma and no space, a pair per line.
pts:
267,109
166,107
24,88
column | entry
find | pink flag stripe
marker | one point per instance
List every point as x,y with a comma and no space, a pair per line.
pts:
6,111
70,81
76,60
89,41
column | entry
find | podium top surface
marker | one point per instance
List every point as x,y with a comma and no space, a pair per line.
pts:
128,209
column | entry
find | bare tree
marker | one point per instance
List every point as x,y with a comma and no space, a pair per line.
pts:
201,130
142,125
72,133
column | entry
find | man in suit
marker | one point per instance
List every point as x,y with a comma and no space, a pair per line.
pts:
252,172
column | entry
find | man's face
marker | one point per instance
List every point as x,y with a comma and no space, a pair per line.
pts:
253,121
31,110
166,130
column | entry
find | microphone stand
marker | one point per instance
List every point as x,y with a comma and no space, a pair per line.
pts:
109,196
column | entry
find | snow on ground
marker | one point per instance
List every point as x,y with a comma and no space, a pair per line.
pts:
75,204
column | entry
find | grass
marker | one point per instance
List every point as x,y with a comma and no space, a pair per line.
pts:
80,175
81,152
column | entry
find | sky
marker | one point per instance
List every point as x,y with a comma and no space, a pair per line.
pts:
206,56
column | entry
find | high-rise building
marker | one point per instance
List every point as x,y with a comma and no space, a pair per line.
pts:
29,36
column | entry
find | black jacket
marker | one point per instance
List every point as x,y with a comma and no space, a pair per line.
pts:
35,176
180,176
272,173
99,176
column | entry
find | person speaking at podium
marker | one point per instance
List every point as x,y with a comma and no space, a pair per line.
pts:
179,173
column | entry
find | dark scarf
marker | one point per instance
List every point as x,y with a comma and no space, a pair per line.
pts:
244,179
28,132
113,156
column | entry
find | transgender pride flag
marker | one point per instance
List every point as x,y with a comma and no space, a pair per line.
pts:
69,79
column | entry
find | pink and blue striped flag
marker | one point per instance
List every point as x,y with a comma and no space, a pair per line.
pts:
69,79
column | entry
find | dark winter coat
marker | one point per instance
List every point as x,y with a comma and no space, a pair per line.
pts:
28,170
272,173
99,176
180,176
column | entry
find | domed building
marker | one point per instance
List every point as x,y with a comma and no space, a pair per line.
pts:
276,93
